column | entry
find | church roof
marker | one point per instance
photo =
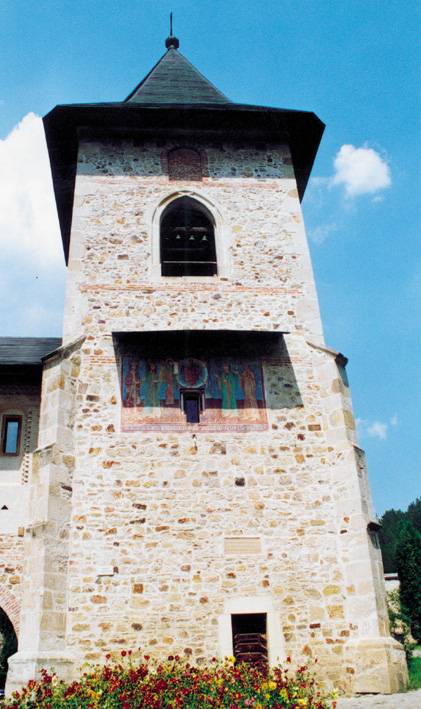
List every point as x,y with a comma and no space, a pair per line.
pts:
26,350
174,80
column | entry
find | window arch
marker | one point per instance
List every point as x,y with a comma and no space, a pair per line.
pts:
187,239
9,645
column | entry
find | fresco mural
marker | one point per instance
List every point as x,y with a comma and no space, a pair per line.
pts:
231,392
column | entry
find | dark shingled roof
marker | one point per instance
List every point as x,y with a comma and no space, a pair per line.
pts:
174,80
26,350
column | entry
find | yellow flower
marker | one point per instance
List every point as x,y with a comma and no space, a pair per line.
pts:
268,685
302,702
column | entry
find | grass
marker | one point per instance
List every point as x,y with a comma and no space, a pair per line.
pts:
415,673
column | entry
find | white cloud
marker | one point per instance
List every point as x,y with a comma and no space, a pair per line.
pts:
322,232
32,265
28,218
360,170
376,429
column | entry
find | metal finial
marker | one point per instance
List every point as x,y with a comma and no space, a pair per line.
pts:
171,41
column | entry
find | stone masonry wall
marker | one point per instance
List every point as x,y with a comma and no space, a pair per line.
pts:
265,277
22,400
167,532
151,513
11,564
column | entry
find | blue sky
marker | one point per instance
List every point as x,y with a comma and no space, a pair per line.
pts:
355,64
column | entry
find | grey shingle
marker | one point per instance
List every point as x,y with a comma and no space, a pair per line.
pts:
174,80
26,350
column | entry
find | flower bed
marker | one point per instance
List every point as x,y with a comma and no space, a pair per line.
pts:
127,683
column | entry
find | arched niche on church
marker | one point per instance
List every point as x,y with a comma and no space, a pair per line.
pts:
184,164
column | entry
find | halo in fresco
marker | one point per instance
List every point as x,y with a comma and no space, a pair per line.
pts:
192,373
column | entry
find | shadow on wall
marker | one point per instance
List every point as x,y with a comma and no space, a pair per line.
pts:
8,646
282,391
141,158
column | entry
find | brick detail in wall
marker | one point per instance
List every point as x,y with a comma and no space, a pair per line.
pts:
184,164
11,606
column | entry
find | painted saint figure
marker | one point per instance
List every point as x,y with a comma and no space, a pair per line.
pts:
228,382
248,384
152,404
168,379
132,383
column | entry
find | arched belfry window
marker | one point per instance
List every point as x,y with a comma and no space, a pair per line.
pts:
187,239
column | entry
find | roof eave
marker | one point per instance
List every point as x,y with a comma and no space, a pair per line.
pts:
302,130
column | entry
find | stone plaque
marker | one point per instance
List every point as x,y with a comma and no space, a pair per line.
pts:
242,546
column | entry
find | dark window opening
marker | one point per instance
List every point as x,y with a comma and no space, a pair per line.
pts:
192,405
187,240
11,435
249,638
374,538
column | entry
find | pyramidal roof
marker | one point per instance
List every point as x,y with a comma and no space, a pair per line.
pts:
173,80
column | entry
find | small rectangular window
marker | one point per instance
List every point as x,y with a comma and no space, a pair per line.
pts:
191,406
12,426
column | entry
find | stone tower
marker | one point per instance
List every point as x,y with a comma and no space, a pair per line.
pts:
197,475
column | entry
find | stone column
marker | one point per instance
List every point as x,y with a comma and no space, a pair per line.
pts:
42,639
373,661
